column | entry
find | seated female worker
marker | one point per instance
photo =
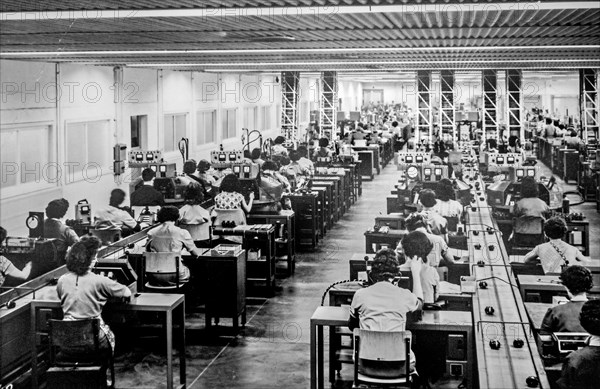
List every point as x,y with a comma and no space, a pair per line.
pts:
83,293
556,253
194,218
8,269
581,368
383,306
565,317
169,238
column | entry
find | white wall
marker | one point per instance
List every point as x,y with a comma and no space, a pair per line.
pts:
88,93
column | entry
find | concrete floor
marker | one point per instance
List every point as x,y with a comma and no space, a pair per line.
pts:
273,350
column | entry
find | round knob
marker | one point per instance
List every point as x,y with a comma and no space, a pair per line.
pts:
477,246
495,344
518,343
11,304
532,381
480,263
489,310
483,285
491,247
475,233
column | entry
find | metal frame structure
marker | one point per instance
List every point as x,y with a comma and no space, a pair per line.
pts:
489,81
424,111
328,104
290,88
447,118
514,104
589,104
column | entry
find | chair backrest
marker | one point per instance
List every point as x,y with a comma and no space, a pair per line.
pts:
528,225
163,263
106,236
383,346
76,335
236,215
452,223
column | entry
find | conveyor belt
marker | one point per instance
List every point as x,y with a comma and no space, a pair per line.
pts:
509,366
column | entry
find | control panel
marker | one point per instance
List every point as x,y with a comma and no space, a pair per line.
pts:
164,170
141,158
510,159
413,158
246,170
224,159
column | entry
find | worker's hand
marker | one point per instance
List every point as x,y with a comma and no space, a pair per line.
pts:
251,195
416,264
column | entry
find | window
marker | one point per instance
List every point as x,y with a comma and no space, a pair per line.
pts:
229,123
304,113
139,131
175,129
206,129
250,118
266,117
94,152
277,122
20,165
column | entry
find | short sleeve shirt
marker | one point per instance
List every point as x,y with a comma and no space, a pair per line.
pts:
229,200
5,264
169,238
450,208
383,307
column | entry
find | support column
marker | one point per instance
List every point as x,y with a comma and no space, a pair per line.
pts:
589,104
328,104
490,104
447,108
290,85
514,104
425,113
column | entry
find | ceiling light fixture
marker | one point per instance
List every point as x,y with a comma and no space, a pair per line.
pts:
296,51
312,11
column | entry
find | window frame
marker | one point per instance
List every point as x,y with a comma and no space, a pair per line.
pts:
107,168
173,115
23,188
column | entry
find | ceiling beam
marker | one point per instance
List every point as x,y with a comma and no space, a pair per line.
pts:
294,12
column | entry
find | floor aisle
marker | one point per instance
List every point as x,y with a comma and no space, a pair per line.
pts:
273,350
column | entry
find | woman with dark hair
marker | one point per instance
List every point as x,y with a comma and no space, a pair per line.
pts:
514,144
556,253
418,245
231,196
278,148
194,218
168,238
565,317
55,228
114,217
83,293
323,151
255,156
437,223
530,203
446,205
383,306
582,367
7,268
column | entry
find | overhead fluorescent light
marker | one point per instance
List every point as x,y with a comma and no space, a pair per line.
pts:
298,51
294,12
203,65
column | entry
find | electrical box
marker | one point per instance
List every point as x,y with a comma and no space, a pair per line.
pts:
141,158
457,348
246,171
83,212
224,159
413,158
164,170
120,152
35,223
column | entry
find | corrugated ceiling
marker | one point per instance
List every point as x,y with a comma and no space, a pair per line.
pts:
348,34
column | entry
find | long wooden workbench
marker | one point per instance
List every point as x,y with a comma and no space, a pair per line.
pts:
508,366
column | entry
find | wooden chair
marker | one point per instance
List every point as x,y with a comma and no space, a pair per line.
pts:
162,265
229,215
76,357
382,358
528,232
